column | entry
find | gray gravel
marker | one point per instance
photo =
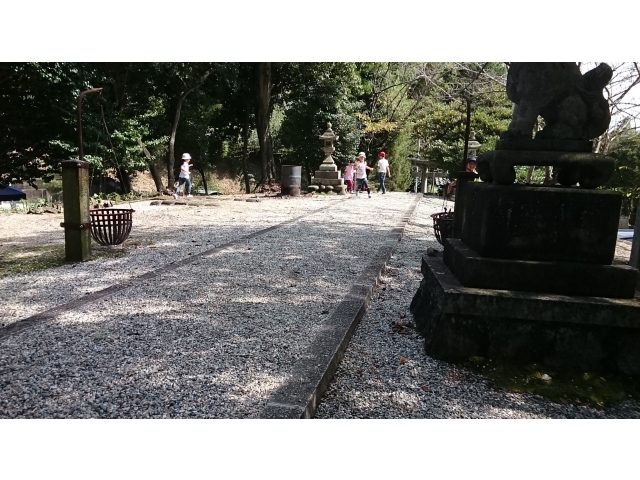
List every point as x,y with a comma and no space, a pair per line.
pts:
209,338
214,336
388,375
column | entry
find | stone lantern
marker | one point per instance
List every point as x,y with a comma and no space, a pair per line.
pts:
473,145
328,137
328,178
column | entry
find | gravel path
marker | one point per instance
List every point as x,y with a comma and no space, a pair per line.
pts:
214,334
211,336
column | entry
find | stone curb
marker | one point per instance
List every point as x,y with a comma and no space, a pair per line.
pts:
299,397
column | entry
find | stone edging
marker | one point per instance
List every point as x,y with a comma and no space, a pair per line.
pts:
299,397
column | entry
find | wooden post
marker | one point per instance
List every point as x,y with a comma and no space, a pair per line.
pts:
77,222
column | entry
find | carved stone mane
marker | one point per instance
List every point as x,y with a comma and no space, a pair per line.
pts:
571,104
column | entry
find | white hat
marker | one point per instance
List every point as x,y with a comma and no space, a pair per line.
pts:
186,156
362,154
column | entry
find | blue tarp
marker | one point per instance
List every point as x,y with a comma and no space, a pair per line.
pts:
8,193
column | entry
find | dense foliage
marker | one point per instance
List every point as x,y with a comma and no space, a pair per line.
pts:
245,120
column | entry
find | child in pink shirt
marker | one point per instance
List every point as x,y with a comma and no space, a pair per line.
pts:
349,173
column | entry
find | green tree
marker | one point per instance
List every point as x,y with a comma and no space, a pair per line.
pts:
625,149
441,122
37,118
313,94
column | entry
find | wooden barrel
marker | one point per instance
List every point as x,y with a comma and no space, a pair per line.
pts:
291,180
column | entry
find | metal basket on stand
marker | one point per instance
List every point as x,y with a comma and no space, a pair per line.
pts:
442,225
111,226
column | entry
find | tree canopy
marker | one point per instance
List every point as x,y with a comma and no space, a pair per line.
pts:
247,119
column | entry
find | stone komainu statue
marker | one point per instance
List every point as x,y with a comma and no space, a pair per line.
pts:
571,104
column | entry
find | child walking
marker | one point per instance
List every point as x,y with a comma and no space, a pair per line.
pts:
361,175
349,174
383,171
184,176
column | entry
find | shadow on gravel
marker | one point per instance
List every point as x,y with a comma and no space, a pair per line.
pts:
212,335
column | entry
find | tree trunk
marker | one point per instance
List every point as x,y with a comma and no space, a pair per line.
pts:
152,168
263,97
203,148
172,141
530,173
174,128
467,132
245,150
204,181
271,160
125,180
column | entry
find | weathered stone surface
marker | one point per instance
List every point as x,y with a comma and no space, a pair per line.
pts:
156,202
312,188
329,181
563,278
590,170
332,175
586,332
572,104
541,223
545,145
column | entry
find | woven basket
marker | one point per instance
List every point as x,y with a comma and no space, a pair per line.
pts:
111,226
442,225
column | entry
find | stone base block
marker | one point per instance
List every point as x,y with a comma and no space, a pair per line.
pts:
330,181
328,167
541,223
327,175
563,278
590,170
585,332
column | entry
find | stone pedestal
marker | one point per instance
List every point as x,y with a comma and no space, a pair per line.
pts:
531,279
329,176
560,278
541,223
593,333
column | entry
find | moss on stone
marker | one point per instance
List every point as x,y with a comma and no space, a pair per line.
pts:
560,385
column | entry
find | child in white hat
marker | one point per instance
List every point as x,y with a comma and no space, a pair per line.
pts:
184,177
361,174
